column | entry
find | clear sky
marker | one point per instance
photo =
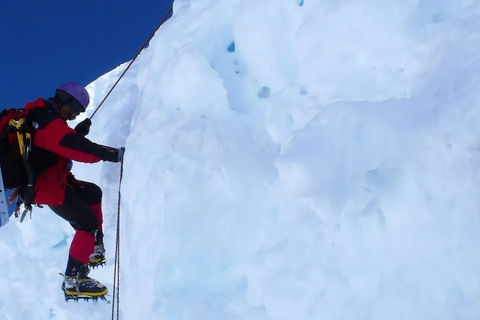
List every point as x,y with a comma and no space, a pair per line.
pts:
47,42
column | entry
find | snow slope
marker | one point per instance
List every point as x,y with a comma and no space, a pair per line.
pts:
288,159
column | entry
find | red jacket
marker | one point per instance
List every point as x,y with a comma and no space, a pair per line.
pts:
54,143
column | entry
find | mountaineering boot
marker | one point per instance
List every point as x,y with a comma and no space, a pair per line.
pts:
77,285
97,258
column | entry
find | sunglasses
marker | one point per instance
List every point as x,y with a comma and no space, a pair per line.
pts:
75,107
73,113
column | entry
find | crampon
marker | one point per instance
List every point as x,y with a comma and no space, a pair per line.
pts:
97,258
83,289
96,263
85,298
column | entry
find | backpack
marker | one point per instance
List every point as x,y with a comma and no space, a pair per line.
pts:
15,146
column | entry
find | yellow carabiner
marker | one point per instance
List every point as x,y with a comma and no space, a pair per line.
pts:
17,124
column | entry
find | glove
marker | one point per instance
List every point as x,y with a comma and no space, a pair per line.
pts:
113,155
83,128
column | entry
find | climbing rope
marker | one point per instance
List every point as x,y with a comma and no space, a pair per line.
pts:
116,273
135,58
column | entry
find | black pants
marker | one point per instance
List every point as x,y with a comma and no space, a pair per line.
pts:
82,207
76,208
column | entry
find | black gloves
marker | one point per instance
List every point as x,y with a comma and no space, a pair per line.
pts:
83,128
109,153
113,154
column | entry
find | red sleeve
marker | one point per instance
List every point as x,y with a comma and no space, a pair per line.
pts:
59,138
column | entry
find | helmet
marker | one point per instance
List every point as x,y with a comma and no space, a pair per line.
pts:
75,91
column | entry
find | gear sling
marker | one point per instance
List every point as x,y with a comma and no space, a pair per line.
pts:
15,147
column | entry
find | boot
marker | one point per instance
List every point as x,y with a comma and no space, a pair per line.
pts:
97,258
77,285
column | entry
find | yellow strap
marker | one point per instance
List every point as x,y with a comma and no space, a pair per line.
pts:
21,144
17,124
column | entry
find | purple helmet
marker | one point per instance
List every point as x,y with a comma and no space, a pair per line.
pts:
76,91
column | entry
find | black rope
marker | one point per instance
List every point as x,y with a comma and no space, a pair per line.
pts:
135,58
116,273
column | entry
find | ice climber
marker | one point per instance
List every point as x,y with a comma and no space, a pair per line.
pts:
54,147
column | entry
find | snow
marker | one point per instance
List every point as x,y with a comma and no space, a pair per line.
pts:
286,160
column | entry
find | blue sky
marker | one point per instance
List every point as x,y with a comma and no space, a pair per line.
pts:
45,43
